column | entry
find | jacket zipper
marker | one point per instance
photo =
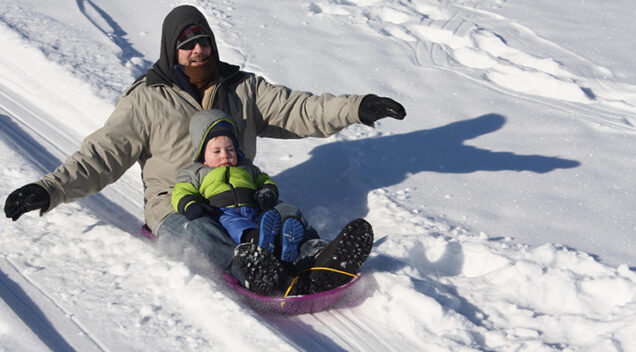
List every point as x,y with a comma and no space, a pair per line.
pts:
227,180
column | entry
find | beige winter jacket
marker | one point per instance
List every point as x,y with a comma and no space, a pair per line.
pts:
150,126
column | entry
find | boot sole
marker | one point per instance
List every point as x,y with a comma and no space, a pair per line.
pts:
293,232
269,228
352,248
263,273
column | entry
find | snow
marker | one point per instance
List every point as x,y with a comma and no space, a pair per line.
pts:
502,205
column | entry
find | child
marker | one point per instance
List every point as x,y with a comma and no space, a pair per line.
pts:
274,256
223,184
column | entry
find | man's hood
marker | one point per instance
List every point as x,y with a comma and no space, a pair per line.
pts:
173,25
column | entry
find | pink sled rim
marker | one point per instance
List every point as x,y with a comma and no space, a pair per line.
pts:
292,305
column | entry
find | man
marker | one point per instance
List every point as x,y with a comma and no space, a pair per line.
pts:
150,126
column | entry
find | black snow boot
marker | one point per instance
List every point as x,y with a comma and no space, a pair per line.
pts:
341,259
265,274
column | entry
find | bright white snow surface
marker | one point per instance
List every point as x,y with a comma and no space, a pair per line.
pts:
503,205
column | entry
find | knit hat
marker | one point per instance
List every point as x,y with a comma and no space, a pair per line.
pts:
189,34
222,128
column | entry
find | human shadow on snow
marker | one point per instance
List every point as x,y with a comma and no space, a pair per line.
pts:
105,23
339,175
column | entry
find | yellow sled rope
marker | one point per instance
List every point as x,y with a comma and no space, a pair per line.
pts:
282,304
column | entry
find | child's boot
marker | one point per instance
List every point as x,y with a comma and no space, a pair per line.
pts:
292,234
269,229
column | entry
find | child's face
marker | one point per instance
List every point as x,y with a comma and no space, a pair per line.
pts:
220,152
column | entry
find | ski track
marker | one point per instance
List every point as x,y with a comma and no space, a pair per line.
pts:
58,329
33,135
440,36
468,40
336,329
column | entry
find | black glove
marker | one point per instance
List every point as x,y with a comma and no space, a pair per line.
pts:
373,108
26,198
266,197
197,210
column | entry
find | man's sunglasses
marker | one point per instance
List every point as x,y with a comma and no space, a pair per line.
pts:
203,42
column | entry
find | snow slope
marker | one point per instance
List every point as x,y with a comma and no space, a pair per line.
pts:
502,205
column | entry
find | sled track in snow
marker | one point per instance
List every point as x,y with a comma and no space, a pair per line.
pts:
337,329
31,134
55,327
440,40
332,330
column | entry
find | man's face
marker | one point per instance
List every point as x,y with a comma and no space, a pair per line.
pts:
220,152
194,57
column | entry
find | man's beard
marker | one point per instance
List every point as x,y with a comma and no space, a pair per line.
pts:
203,76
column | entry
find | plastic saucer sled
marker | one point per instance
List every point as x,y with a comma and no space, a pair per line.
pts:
145,231
311,303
